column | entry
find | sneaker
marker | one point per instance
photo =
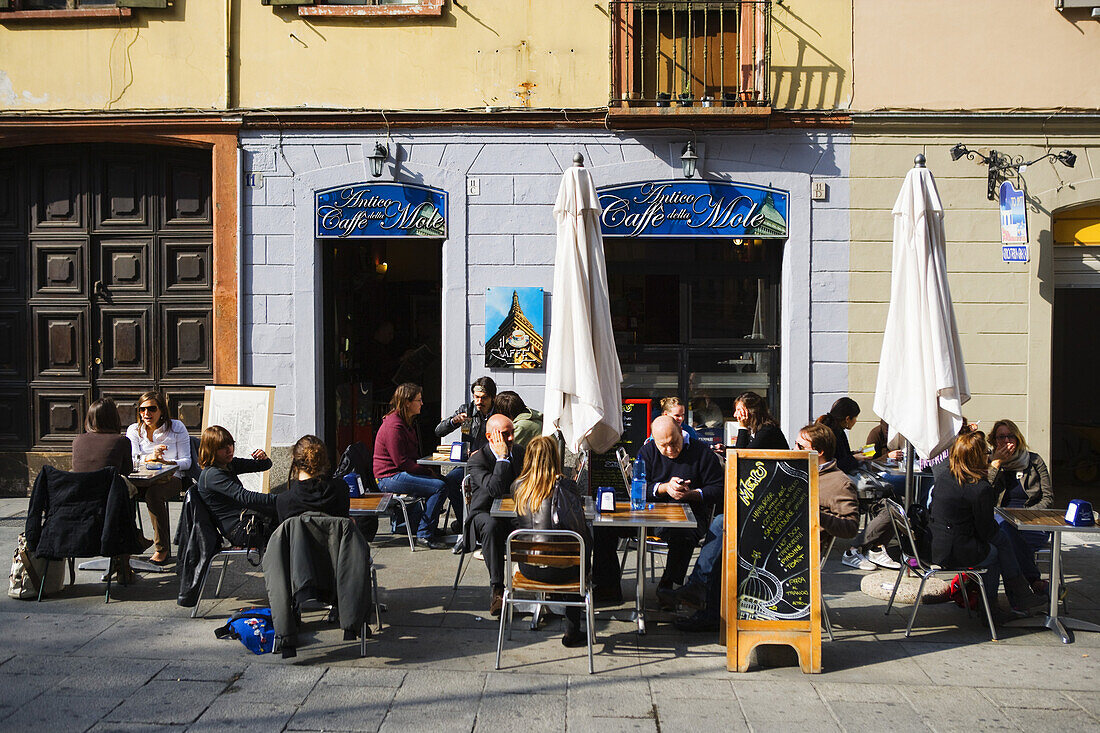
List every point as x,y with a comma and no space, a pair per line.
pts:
880,557
853,558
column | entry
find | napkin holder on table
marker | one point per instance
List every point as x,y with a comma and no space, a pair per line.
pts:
1079,514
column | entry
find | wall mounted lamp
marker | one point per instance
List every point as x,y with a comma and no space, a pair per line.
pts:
688,159
1002,165
378,158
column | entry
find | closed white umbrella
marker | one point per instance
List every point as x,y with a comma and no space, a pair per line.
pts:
583,376
922,382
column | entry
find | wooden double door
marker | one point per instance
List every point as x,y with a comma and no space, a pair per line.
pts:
105,285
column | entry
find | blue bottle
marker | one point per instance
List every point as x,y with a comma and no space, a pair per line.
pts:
352,480
637,486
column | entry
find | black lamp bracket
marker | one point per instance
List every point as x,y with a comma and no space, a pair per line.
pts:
1003,166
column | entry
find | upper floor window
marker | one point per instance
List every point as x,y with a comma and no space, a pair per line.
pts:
690,53
47,9
364,8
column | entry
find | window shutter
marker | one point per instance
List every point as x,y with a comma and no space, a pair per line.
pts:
141,3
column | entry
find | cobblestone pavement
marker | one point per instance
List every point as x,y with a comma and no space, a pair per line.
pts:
140,663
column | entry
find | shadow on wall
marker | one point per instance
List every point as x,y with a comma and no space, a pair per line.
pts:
805,85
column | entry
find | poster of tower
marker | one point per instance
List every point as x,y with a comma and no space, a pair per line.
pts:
514,317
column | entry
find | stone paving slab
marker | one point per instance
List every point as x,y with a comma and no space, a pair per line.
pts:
140,663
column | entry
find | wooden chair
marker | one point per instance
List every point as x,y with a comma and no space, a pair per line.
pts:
910,560
531,547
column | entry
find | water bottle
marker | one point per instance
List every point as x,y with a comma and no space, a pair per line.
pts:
352,480
637,486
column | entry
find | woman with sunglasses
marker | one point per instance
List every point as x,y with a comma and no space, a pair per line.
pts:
156,438
1020,480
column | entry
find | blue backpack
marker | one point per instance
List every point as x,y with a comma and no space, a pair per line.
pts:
253,627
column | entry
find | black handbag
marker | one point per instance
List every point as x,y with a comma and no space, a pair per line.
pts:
250,533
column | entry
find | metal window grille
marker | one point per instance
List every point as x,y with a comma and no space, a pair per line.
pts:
690,52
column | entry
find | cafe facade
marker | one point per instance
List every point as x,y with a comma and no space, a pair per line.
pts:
440,269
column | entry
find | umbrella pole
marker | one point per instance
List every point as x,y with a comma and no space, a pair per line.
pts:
908,475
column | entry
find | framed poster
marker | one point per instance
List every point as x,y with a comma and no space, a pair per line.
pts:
247,413
514,317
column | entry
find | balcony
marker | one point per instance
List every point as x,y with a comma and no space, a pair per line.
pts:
695,57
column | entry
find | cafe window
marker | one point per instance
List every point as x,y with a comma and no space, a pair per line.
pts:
696,319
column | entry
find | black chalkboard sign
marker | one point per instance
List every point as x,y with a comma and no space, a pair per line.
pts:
637,416
771,574
604,470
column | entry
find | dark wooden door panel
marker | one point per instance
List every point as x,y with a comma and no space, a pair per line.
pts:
11,218
188,347
15,416
122,193
60,268
185,403
13,343
13,272
187,192
125,343
59,415
126,399
58,194
60,336
186,266
124,267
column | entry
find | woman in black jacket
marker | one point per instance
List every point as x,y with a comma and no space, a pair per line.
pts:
964,531
841,417
310,488
533,491
219,485
761,429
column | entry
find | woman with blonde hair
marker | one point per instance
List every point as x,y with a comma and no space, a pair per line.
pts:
220,485
1020,480
964,532
533,491
310,487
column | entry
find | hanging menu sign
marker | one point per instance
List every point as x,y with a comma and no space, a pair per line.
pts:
392,210
772,548
694,209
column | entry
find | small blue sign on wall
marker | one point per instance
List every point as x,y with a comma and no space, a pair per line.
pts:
1013,214
1014,253
694,209
381,210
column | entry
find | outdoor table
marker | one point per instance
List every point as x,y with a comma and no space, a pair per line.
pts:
666,514
506,507
143,476
1054,521
441,463
371,505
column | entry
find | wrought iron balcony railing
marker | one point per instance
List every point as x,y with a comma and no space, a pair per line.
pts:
685,53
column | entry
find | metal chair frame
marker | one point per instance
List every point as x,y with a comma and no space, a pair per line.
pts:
821,591
467,497
584,581
225,553
926,571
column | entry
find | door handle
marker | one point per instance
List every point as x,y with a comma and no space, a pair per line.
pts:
100,289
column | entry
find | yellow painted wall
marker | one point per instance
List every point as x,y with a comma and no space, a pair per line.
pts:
811,46
974,54
476,55
1003,310
156,59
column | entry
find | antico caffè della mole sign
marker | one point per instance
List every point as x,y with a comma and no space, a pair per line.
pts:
381,210
694,209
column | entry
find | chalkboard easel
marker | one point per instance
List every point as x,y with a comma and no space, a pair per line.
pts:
771,575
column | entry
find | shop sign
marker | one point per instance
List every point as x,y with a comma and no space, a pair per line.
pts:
1013,223
694,209
390,210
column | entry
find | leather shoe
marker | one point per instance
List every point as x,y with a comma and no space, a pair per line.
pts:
455,527
666,597
574,640
692,595
697,622
430,543
497,604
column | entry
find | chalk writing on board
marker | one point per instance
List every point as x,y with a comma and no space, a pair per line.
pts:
773,540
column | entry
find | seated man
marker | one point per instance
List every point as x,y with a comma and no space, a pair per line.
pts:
681,473
838,516
483,390
492,471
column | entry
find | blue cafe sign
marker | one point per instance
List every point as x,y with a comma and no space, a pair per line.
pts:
381,210
694,209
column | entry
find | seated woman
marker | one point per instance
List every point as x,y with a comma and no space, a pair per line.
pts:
311,488
219,483
155,437
752,412
841,417
964,532
533,491
103,445
396,449
1020,479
